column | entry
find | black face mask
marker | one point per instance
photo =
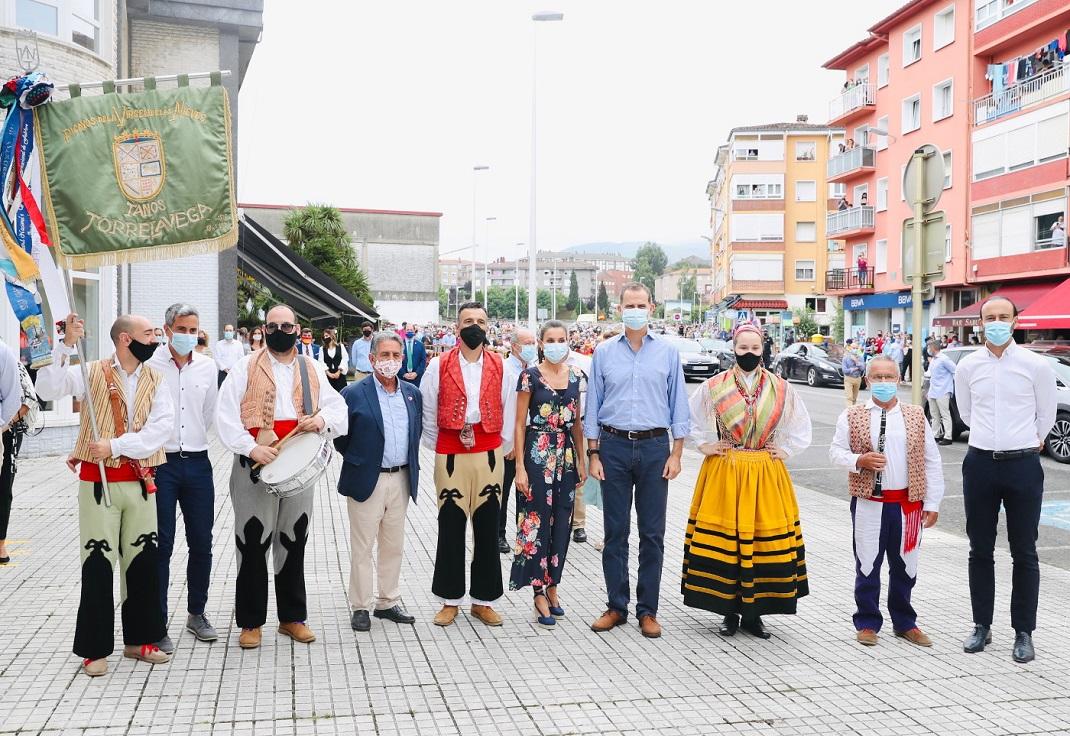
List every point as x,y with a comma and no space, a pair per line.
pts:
142,351
748,361
367,333
473,336
281,342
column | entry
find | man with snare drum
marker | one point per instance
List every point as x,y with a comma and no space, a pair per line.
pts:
267,396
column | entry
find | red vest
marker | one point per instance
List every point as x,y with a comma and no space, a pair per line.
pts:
453,404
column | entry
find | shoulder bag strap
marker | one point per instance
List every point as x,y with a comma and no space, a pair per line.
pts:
118,411
306,390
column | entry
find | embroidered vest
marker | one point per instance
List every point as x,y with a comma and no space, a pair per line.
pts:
861,483
453,404
147,384
258,403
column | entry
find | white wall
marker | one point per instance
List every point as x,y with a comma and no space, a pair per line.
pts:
422,312
156,285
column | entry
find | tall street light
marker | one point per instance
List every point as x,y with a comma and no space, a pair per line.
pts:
533,251
475,173
486,257
516,292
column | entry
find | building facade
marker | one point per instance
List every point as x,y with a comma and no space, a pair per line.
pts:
552,271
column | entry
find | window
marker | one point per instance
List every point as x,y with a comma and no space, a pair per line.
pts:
882,70
947,243
805,232
77,21
947,169
837,190
882,257
882,194
805,151
818,304
911,45
882,139
861,250
754,267
862,74
1015,226
911,120
806,191
758,186
862,196
943,100
746,153
1022,142
753,228
804,270
944,27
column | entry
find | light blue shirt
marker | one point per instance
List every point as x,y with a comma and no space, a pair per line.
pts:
395,424
941,377
358,355
852,365
10,385
637,390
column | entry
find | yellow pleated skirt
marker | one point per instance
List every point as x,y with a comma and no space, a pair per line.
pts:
743,552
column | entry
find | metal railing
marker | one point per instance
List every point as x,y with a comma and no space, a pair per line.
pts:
855,158
858,96
842,279
1022,95
852,218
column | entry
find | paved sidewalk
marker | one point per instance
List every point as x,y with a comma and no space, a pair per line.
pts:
810,678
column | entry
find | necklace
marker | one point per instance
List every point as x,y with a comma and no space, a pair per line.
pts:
749,399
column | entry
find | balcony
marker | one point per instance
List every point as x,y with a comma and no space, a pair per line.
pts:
853,102
849,279
851,163
987,12
1022,95
849,222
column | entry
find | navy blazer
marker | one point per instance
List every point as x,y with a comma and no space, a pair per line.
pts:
362,448
419,360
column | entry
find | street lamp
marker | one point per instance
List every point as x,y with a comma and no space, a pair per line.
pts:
486,257
475,172
516,291
533,253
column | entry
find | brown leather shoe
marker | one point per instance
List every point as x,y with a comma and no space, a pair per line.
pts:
250,638
867,637
649,626
298,632
446,616
608,620
486,614
916,636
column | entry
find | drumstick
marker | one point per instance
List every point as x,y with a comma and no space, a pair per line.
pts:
277,444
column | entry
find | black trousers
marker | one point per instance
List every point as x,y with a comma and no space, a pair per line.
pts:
1017,485
7,480
507,484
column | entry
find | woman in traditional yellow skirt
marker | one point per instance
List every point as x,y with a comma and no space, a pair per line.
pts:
743,552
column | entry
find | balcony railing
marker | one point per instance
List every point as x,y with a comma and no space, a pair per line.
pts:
987,12
845,279
852,99
851,160
1022,95
852,218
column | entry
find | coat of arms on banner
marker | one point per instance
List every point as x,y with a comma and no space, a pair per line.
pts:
139,164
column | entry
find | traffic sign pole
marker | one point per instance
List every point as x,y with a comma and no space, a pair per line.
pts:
920,161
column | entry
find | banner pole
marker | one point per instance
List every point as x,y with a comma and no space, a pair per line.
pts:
88,400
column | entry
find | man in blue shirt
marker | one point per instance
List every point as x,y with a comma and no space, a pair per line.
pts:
636,399
941,386
894,349
414,358
359,354
853,368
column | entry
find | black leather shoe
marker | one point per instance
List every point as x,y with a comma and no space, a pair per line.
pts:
397,614
755,627
503,546
729,626
579,535
360,621
1023,648
976,641
944,442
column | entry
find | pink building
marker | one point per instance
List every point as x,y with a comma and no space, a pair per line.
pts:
907,84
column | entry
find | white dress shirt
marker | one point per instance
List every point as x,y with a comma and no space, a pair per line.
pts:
895,452
342,366
1008,402
233,434
62,379
194,389
472,374
227,353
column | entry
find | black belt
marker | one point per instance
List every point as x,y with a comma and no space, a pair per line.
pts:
186,454
635,434
1006,454
395,469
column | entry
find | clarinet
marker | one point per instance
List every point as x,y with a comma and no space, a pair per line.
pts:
878,482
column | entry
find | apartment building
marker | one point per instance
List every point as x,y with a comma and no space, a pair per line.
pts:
552,271
769,203
907,84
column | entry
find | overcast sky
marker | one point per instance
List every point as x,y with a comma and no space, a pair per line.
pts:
388,105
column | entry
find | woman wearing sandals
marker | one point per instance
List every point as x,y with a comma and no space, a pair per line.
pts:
549,430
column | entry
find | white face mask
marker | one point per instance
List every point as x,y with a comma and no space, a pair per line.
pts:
388,368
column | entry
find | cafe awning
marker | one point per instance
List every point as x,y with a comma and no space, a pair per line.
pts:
313,294
1023,295
1049,312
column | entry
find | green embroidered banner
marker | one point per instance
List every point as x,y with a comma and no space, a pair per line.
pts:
137,176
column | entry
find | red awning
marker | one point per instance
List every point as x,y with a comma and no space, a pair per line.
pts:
1023,295
760,304
1049,312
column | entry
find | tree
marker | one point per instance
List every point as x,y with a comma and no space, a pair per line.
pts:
443,301
603,298
573,302
806,325
837,323
317,234
649,263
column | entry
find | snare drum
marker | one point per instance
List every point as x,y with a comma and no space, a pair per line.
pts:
300,463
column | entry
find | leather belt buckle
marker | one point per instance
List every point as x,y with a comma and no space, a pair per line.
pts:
633,435
999,455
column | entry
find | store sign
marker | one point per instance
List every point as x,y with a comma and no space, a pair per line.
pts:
891,300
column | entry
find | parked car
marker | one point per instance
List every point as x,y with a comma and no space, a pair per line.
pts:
696,363
807,362
721,351
1057,442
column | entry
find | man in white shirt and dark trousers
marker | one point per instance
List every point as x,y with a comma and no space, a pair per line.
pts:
941,388
227,352
185,480
1007,396
523,353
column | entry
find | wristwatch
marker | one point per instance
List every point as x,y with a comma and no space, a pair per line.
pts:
592,452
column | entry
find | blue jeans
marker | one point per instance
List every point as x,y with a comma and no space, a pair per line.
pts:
187,483
638,465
